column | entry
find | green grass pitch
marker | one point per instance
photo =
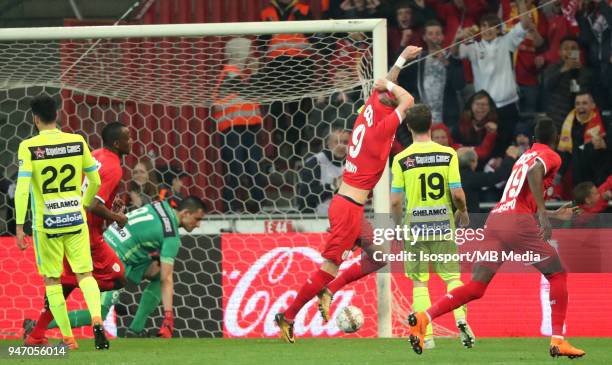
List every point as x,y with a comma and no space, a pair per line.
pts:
491,351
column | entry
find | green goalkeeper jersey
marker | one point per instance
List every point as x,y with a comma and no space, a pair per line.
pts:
151,228
426,171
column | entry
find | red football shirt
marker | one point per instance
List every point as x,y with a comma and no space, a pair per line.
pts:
517,198
109,168
371,140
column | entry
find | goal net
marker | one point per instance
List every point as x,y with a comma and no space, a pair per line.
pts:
228,112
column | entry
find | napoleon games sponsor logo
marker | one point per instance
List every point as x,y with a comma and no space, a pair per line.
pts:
57,151
62,205
432,159
255,298
63,220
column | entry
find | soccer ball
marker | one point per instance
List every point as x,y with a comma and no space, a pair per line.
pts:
350,319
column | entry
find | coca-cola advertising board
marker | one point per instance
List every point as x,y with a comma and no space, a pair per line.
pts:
261,276
262,273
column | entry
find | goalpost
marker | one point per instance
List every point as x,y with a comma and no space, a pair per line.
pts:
160,79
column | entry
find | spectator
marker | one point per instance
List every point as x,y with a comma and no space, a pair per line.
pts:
529,57
522,137
441,135
459,14
143,187
436,81
473,182
172,187
592,199
563,80
582,144
239,122
493,70
478,125
322,173
354,9
561,24
594,19
403,31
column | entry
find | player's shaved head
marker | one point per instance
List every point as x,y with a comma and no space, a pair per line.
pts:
418,119
545,131
45,108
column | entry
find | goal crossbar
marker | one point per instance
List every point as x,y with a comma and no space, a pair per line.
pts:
189,30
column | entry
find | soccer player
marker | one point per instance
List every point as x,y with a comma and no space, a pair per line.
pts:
511,226
51,167
368,153
107,268
427,174
150,229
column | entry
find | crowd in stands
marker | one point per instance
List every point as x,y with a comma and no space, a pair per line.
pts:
487,70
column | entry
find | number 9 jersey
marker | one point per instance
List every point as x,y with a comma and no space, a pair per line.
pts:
370,145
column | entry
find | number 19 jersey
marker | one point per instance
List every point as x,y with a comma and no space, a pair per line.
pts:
426,171
517,197
371,140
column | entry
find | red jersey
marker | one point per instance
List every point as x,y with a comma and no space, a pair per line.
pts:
371,140
109,167
517,198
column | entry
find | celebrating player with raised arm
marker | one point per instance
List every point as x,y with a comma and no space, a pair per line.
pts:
368,153
107,268
511,226
52,165
150,229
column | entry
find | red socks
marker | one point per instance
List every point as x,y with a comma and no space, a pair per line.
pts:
354,273
312,287
46,316
558,301
41,324
457,297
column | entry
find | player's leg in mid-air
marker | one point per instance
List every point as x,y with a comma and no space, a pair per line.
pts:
345,217
365,266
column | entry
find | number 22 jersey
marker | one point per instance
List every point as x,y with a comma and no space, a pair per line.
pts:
370,145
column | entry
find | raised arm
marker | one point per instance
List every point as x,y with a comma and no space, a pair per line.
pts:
408,54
